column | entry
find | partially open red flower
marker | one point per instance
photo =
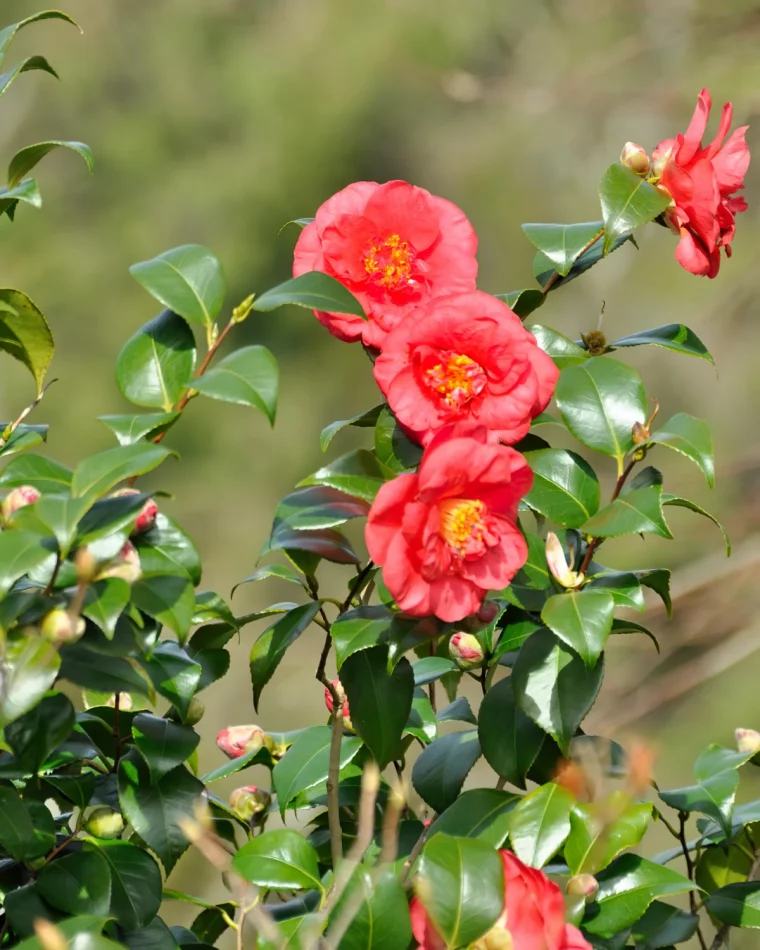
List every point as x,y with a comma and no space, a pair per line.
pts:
703,183
330,703
448,533
533,917
393,246
465,357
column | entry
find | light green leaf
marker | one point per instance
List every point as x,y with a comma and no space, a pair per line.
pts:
25,160
188,280
282,859
628,201
248,377
565,487
305,765
313,290
562,243
25,334
156,364
98,474
582,619
691,437
540,823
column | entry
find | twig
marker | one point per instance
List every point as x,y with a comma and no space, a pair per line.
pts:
556,275
333,776
11,427
117,730
418,846
59,847
431,687
54,575
594,542
682,818
356,586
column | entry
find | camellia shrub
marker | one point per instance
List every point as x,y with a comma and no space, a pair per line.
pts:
485,563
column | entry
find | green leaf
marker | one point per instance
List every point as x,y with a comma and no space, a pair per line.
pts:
20,552
624,587
28,191
164,744
393,448
98,474
131,428
209,925
598,833
105,602
279,571
691,437
270,648
24,834
715,788
157,363
674,336
540,823
281,859
313,290
562,350
562,243
523,302
106,516
77,883
25,66
174,674
482,813
370,626
356,473
323,543
582,620
440,771
22,438
35,735
317,507
8,32
382,921
509,739
365,420
168,598
380,702
628,201
432,668
692,506
156,936
600,401
155,809
460,882
25,334
305,764
422,722
662,926
166,549
554,687
737,904
188,280
720,865
25,160
638,511
30,669
626,889
565,487
75,927
458,711
44,474
135,882
248,377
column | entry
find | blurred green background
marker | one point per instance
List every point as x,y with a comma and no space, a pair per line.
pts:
216,121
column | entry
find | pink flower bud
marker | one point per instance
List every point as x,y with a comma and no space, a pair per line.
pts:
147,516
126,565
488,611
747,740
557,563
249,801
19,498
583,885
465,650
661,156
635,157
235,741
331,705
59,627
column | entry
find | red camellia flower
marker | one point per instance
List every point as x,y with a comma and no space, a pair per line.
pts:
703,183
465,357
393,246
447,534
330,703
533,917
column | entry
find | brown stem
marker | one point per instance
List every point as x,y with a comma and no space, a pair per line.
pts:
333,776
58,848
431,687
117,730
682,818
594,542
356,586
11,428
556,275
54,575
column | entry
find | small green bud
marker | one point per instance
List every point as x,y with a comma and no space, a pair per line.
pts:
104,823
59,627
465,650
249,801
195,711
243,309
583,885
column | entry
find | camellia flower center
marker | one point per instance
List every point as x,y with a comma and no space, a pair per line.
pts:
463,525
457,380
389,262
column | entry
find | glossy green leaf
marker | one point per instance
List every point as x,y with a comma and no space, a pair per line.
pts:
628,201
562,350
432,668
188,280
562,244
460,882
75,928
157,363
305,764
565,487
43,473
131,428
107,516
600,401
249,376
270,648
35,735
25,334
98,474
280,572
458,711
365,420
317,507
677,502
691,437
370,626
600,832
722,864
310,546
164,744
554,687
24,834
635,512
510,740
210,925
482,813
422,722
7,33
166,549
440,771
155,809
674,336
20,552
357,473
382,920
28,191
25,66
135,882
282,859
253,757
25,160
105,602
76,884
167,598
380,702
662,926
624,587
582,620
30,668
540,823
523,302
21,438
737,904
393,447
313,290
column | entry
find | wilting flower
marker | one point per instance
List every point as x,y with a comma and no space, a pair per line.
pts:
465,650
393,246
235,741
465,357
703,183
146,517
18,498
448,533
330,703
533,917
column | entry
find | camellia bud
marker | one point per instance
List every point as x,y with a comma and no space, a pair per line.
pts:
18,498
105,823
59,627
235,741
583,885
661,156
488,611
126,565
195,711
86,565
558,566
635,157
331,704
147,516
465,650
747,741
50,937
249,801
